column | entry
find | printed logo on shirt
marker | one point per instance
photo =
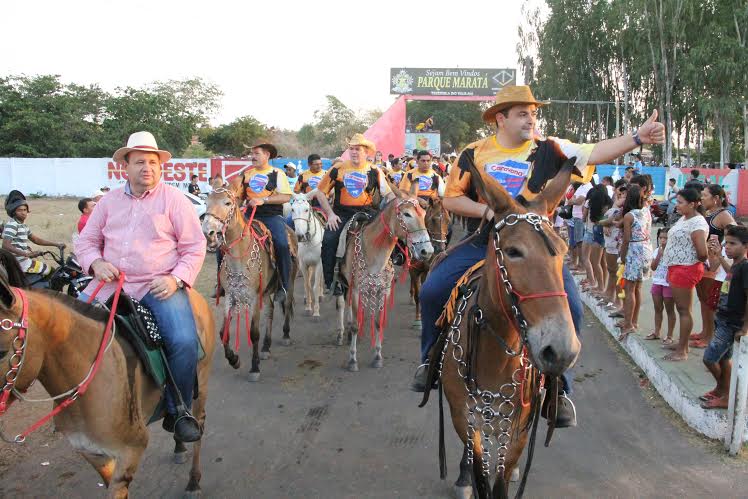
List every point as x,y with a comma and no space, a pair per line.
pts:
397,177
424,183
258,182
510,174
314,181
355,183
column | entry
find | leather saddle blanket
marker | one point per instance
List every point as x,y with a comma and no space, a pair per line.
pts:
448,314
357,222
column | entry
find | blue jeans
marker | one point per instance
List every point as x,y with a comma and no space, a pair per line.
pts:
179,332
276,224
289,220
441,280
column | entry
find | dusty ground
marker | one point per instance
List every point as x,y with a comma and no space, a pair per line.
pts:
311,429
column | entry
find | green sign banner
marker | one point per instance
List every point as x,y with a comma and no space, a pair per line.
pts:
459,82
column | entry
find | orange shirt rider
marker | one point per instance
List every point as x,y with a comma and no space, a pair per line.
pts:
353,187
430,184
262,183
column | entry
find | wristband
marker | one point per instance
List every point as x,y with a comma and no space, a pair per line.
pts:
637,139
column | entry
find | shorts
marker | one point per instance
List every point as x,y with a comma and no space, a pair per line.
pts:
598,236
660,290
576,234
721,345
685,276
589,236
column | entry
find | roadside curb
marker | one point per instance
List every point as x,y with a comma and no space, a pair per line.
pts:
710,423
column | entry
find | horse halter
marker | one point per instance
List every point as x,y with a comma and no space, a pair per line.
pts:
19,351
536,221
442,232
401,220
308,219
224,221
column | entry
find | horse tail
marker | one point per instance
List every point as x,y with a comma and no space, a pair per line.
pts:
16,277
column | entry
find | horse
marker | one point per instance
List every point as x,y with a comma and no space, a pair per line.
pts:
107,424
309,231
247,274
437,222
368,271
504,328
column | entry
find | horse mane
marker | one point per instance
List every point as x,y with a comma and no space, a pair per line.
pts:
14,274
91,311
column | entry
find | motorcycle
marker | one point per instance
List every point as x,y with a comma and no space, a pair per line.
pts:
68,276
658,210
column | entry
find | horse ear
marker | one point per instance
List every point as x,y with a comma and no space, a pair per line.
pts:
413,189
497,198
236,186
554,191
7,297
424,204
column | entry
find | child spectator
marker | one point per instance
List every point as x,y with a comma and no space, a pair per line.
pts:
636,253
611,224
714,202
85,206
598,203
662,295
685,251
729,320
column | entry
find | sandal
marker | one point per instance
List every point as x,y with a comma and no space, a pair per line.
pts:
675,357
698,344
652,336
696,336
616,315
625,334
715,403
708,396
667,341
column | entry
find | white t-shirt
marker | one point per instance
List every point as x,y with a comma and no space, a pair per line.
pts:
659,276
680,249
582,191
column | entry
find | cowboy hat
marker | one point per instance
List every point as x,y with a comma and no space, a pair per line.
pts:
269,148
15,200
508,97
358,139
141,141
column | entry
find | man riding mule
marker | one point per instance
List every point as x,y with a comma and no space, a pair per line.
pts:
355,184
266,189
505,158
149,230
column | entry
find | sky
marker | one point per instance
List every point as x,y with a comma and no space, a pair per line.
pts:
274,60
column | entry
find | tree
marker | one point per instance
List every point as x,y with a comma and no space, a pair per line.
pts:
459,123
234,138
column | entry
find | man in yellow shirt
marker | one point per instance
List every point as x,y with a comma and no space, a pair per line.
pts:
430,184
353,184
395,173
504,156
266,190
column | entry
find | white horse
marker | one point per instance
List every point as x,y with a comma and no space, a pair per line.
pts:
309,230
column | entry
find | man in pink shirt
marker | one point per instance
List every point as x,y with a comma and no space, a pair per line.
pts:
149,231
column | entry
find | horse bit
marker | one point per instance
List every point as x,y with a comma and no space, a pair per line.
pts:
483,401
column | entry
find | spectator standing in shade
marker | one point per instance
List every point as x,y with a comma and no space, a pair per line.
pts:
662,295
576,238
193,188
611,224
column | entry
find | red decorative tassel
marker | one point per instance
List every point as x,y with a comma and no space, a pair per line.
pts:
360,317
236,339
226,324
371,330
246,322
218,285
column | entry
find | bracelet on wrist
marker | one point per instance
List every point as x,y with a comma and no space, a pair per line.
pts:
637,139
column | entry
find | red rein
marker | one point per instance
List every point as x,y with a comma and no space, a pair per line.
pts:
83,386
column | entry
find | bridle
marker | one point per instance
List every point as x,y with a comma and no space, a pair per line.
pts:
401,221
443,232
224,221
311,220
19,351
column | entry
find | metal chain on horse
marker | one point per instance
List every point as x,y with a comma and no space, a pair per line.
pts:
500,405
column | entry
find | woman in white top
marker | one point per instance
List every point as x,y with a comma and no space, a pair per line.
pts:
684,255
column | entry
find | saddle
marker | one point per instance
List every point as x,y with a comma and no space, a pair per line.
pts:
356,222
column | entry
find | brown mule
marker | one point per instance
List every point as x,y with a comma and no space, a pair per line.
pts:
246,274
506,327
107,424
368,270
437,222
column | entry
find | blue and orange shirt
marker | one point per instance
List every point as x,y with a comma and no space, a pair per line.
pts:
353,187
264,182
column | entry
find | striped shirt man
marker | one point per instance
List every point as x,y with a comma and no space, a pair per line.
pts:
18,234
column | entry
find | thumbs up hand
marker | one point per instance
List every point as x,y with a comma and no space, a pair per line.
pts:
652,132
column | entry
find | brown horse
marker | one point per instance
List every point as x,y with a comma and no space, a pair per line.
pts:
246,274
106,425
513,316
368,270
437,222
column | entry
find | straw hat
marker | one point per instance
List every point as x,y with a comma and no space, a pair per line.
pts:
508,97
269,148
358,139
141,141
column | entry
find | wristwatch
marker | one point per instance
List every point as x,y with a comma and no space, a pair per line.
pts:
637,139
180,283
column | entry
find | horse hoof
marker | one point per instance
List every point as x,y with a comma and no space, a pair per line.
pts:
353,366
286,342
377,363
417,324
339,341
463,492
254,377
515,475
192,494
180,457
264,355
316,317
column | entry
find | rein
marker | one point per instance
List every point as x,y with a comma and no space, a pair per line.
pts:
19,344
